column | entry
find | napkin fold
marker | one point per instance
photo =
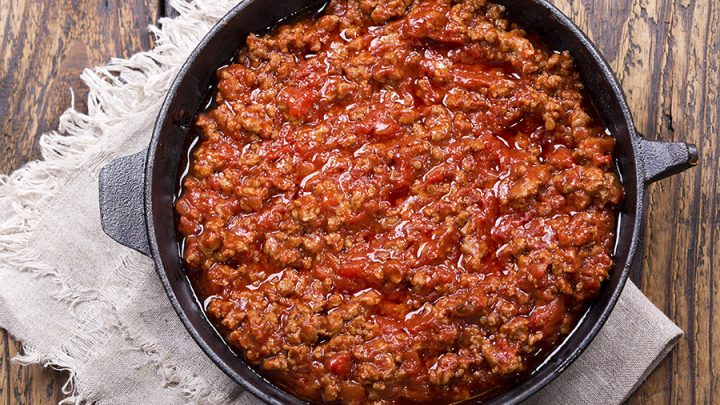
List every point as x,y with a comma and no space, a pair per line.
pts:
80,302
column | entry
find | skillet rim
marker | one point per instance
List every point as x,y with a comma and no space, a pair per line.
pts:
531,383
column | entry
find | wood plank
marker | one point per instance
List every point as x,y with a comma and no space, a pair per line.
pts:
34,384
4,369
680,220
664,53
43,49
44,46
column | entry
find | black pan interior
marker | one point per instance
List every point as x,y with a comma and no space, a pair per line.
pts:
189,92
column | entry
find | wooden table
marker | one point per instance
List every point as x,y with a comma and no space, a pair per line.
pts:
664,52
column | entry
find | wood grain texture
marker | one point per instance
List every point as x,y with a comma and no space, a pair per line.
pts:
664,52
44,46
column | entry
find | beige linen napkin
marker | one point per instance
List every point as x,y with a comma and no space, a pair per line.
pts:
81,302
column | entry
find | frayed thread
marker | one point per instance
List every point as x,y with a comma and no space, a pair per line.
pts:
30,356
119,90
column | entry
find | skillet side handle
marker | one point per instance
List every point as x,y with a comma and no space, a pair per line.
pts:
121,201
663,159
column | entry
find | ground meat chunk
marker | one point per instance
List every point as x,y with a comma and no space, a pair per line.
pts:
400,201
380,11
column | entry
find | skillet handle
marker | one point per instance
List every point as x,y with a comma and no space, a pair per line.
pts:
663,159
122,210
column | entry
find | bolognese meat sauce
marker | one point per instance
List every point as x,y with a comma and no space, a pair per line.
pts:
398,201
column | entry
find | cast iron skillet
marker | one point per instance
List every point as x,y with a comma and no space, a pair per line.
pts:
137,192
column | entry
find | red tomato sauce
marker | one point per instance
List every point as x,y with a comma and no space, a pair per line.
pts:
398,202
